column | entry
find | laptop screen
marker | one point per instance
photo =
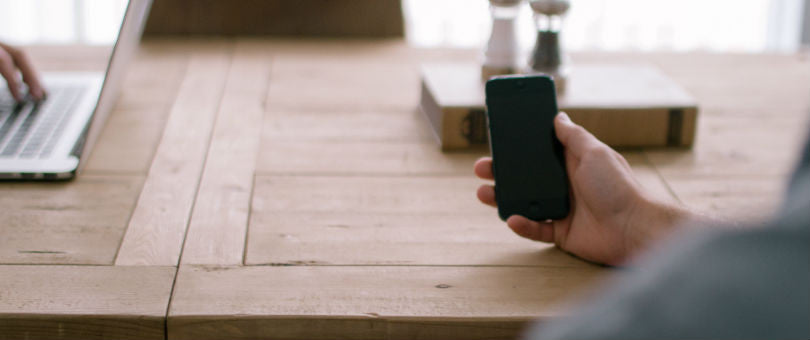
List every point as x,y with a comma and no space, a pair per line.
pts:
123,51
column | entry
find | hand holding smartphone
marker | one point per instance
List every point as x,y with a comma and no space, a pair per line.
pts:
528,159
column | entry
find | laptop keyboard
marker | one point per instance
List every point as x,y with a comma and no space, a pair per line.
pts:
31,130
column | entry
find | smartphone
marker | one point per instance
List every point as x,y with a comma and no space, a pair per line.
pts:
527,158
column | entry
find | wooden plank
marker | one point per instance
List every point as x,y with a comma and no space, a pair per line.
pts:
78,222
304,302
337,238
167,58
243,327
737,146
407,126
368,194
362,219
333,72
369,158
455,329
749,136
133,130
84,302
354,158
158,224
335,82
358,51
772,86
326,152
334,18
127,143
219,221
735,198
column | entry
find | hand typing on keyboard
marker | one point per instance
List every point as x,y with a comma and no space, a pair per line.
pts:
13,63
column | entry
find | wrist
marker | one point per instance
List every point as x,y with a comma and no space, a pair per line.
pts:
654,221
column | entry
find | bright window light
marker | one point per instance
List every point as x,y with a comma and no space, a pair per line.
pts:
641,25
94,22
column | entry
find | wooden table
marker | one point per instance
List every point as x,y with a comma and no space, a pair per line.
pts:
290,189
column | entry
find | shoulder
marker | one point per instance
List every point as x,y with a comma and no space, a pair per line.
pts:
749,283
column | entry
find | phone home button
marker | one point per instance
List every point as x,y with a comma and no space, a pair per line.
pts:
534,207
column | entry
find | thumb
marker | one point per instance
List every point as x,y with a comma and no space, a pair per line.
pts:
562,121
573,137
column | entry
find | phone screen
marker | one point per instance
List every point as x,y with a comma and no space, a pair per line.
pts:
528,162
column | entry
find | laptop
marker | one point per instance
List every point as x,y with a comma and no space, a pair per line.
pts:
51,139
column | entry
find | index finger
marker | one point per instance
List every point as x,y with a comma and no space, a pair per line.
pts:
29,74
483,168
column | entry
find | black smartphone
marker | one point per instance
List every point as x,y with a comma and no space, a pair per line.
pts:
528,159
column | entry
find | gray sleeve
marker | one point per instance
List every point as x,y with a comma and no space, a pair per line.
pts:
744,284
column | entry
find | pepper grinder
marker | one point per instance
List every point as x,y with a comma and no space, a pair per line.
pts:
502,50
548,56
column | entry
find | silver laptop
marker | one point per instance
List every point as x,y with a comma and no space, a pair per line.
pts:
51,139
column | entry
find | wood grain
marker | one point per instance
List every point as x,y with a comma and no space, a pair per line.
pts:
356,229
337,238
407,126
127,143
133,130
773,85
84,302
751,132
368,158
166,57
737,146
354,158
158,224
368,194
365,218
302,302
736,198
342,83
219,221
348,76
79,222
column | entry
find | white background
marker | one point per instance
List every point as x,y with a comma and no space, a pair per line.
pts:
613,25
